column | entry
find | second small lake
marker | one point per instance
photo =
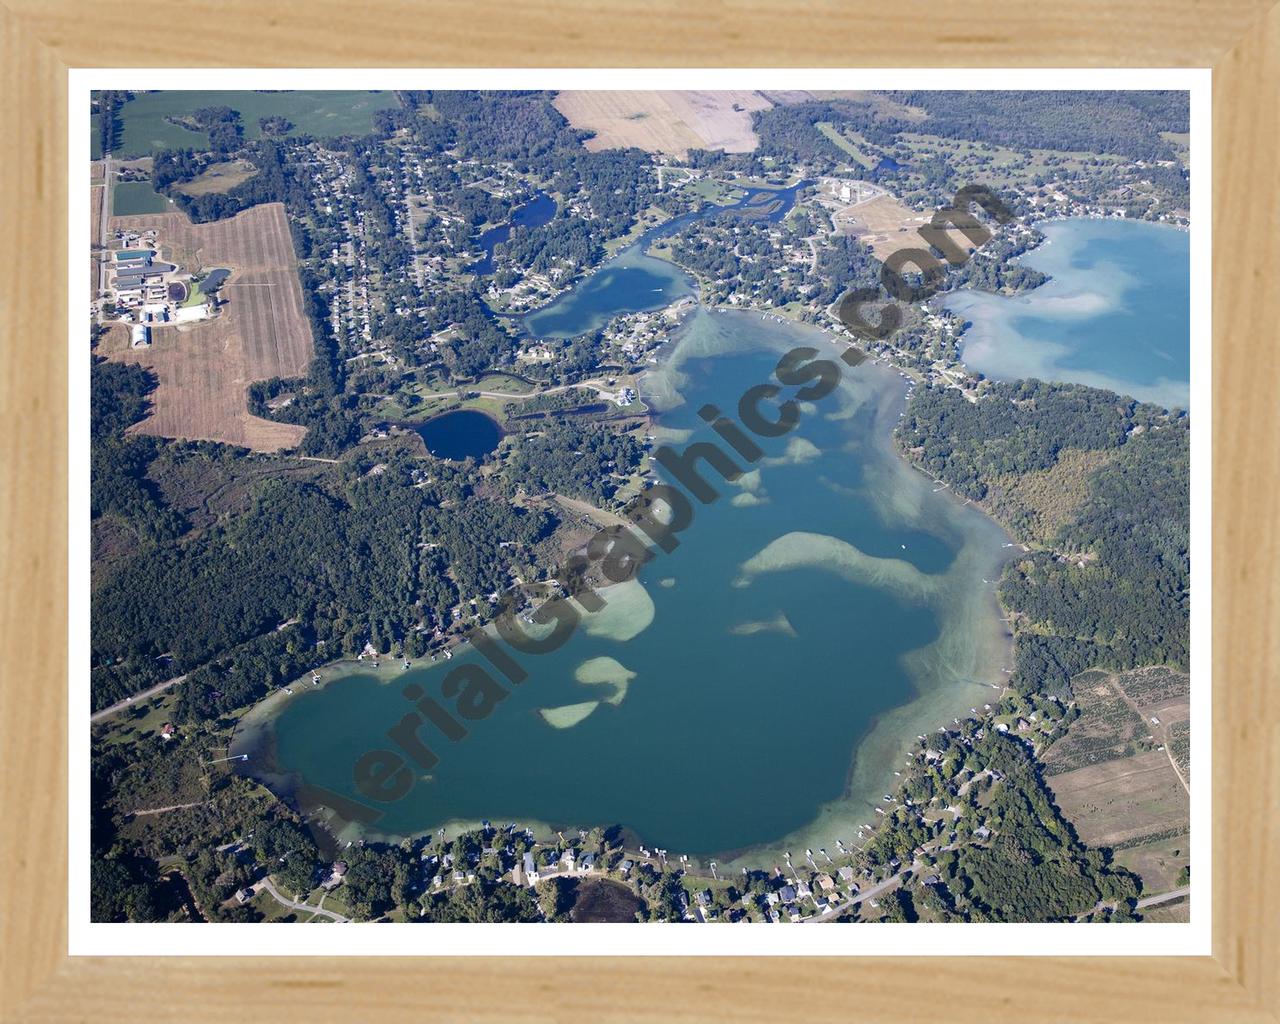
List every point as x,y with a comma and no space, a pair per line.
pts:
533,214
459,435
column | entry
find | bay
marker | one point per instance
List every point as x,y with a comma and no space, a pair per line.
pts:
1115,314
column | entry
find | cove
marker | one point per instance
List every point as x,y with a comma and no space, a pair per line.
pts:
1115,314
633,282
749,692
533,214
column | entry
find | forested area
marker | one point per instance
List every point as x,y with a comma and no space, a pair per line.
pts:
109,123
579,460
118,463
1013,857
277,181
1121,122
357,557
1111,590
1125,122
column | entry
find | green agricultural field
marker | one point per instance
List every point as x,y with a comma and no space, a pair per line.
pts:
131,198
322,113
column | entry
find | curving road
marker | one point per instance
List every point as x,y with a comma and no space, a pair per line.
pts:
269,886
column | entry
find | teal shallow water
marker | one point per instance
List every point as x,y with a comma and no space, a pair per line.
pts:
1115,315
773,668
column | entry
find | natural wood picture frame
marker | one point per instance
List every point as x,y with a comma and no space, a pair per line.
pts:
1239,39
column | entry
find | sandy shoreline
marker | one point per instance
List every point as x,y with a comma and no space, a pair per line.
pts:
950,676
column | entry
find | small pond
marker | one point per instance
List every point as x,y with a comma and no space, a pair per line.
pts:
458,435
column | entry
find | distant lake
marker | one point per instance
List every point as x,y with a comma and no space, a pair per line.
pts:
458,435
1116,314
633,282
533,214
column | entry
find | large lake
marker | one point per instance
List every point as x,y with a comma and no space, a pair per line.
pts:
1115,315
753,690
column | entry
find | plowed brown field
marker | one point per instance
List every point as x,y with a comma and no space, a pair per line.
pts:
261,331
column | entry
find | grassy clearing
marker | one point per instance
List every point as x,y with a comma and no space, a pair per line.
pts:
220,177
1181,142
997,166
1158,863
719,192
1038,504
650,218
323,113
1124,803
844,142
132,198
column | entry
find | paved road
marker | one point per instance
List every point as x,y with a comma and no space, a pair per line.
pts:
867,894
119,706
1164,897
267,884
593,385
162,810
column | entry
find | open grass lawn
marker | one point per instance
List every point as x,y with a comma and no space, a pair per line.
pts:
132,198
718,192
195,295
319,112
1159,863
845,143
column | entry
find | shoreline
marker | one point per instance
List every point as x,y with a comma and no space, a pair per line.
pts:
885,738
989,344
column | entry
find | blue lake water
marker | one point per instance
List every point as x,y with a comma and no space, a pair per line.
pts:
633,282
754,687
1116,314
750,691
533,214
458,435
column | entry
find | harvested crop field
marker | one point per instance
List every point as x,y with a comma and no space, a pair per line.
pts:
665,122
882,223
1123,801
261,332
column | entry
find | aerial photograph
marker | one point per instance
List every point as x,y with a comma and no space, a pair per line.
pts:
759,507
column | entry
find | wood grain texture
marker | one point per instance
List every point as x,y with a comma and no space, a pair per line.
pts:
654,33
1246,551
38,40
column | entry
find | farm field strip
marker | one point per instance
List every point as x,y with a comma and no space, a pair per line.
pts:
262,332
665,122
